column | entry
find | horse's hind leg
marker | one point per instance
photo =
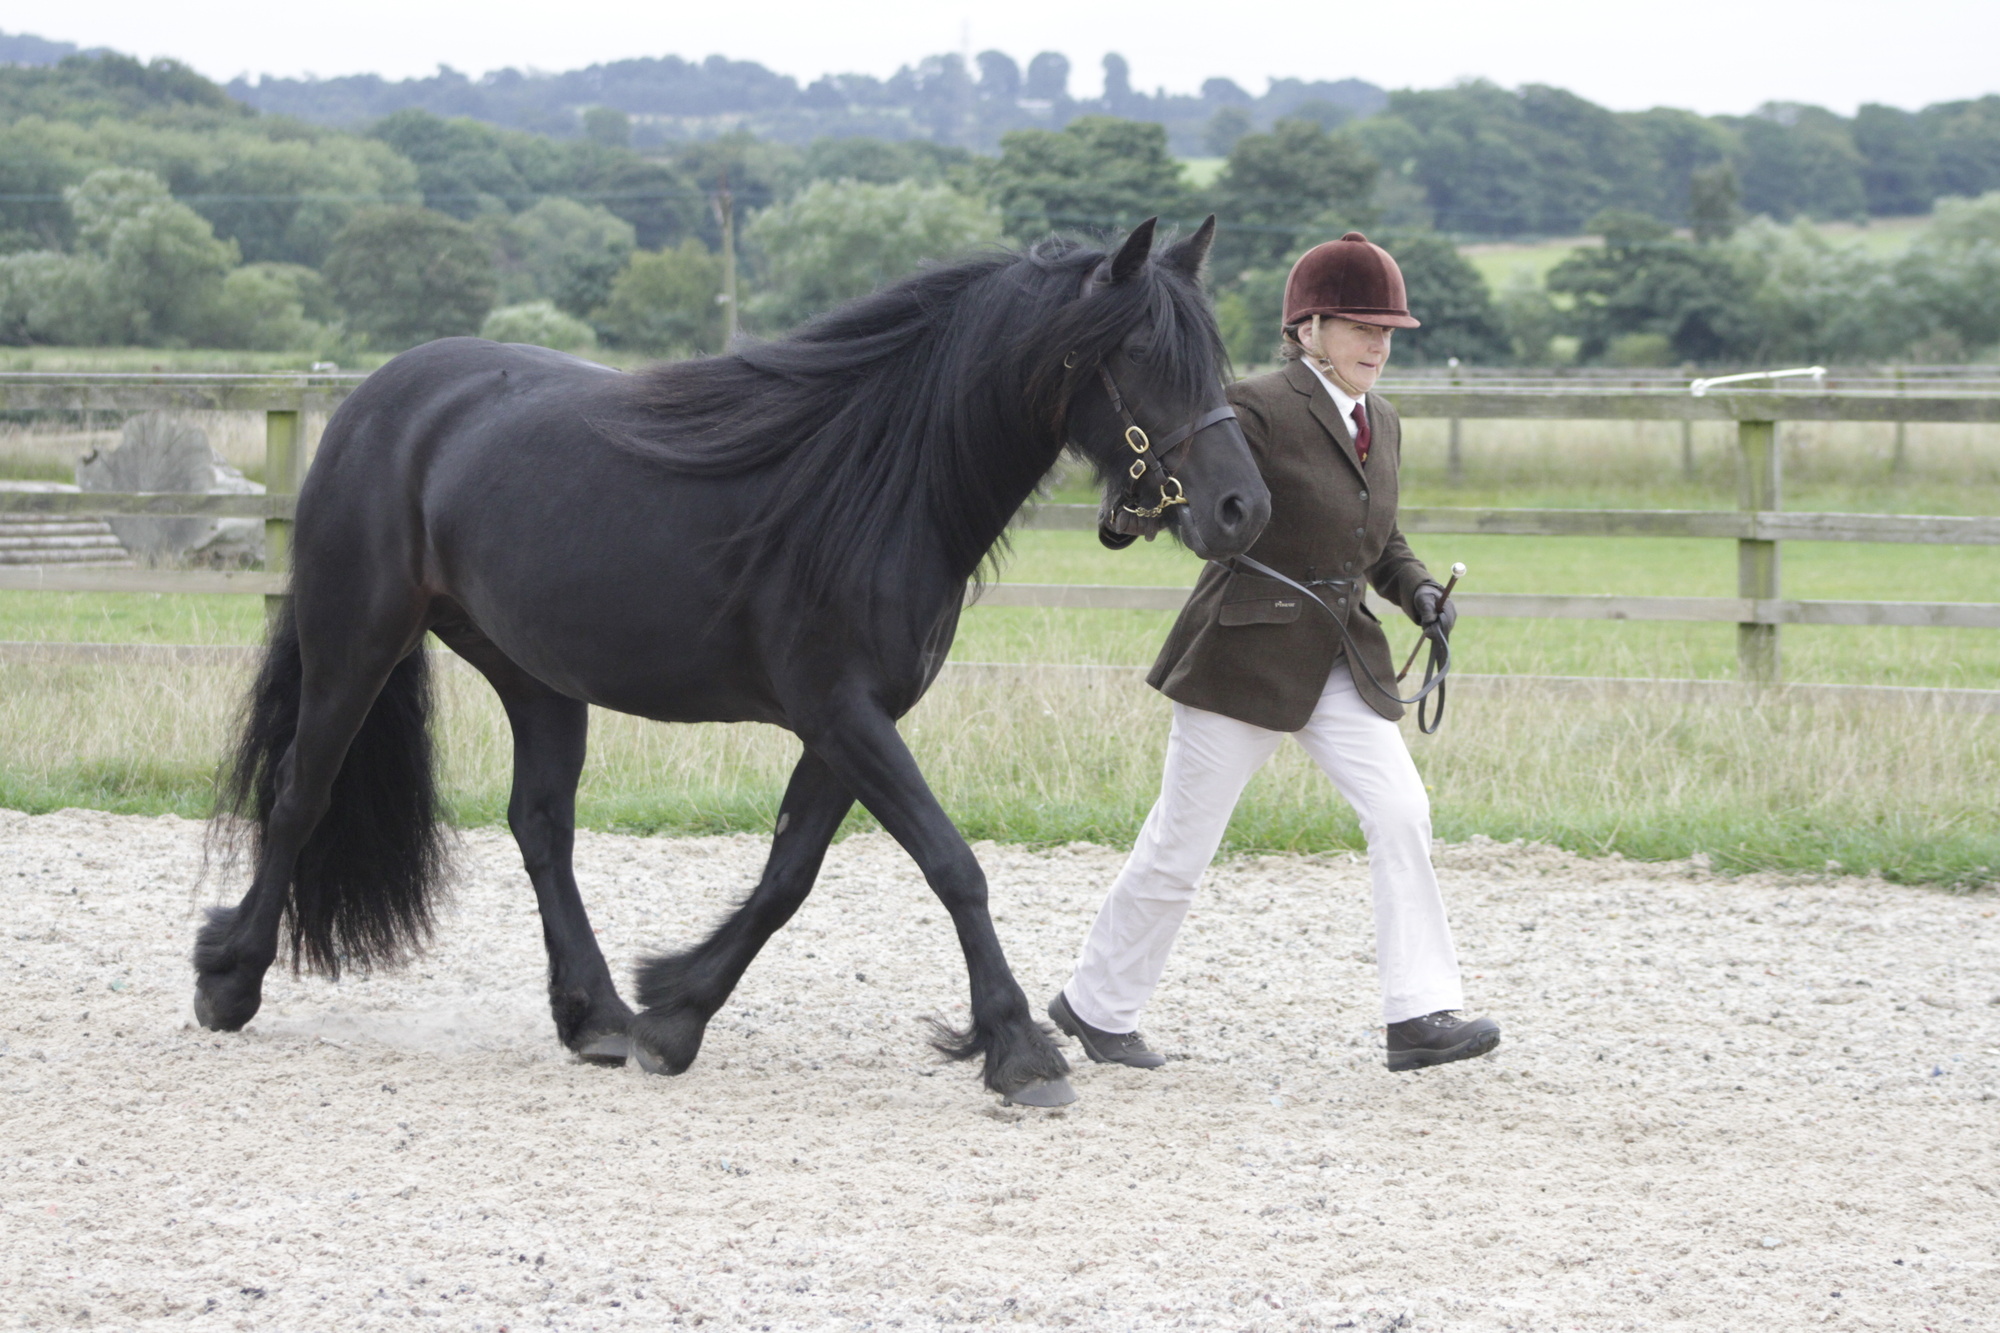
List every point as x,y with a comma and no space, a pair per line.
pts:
682,991
237,946
549,734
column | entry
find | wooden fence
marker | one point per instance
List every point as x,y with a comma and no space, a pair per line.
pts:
1758,525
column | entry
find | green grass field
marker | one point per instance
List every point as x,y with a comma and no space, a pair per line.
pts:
1048,756
1505,263
1051,756
1200,172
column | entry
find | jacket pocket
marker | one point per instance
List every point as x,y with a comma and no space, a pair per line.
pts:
1251,600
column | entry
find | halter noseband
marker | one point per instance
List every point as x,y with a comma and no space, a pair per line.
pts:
1152,465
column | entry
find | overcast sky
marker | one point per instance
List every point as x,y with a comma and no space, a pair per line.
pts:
1713,56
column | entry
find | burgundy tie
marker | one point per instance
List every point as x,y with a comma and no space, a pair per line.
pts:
1360,433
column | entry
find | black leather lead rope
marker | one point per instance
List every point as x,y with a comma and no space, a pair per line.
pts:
1437,665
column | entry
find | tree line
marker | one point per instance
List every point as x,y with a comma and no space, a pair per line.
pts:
1472,160
142,204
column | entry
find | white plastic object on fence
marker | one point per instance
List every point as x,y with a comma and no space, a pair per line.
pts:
1700,388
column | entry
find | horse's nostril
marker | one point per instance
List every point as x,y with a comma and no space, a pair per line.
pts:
1233,513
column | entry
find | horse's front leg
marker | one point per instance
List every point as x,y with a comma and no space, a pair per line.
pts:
682,991
860,744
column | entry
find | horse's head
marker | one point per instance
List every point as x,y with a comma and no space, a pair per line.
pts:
1145,401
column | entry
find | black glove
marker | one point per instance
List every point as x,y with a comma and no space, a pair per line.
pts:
1434,615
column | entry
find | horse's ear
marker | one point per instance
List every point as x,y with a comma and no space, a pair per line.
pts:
1189,255
1133,253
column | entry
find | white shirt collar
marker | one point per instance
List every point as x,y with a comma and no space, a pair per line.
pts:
1341,400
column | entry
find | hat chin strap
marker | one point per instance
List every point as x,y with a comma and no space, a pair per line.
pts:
1327,368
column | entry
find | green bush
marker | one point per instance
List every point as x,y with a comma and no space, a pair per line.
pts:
665,301
539,323
1640,349
50,297
272,308
1094,173
407,275
146,270
1285,191
560,251
1954,271
839,239
1247,313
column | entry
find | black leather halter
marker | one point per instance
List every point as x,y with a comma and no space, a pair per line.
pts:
1153,467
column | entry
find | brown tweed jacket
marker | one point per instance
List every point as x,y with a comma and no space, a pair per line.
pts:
1246,646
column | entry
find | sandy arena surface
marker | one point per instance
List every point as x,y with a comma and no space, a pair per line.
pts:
1745,1104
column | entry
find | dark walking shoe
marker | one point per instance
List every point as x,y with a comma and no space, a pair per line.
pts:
1438,1039
1106,1048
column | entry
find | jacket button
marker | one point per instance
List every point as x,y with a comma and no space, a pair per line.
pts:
1364,495
1341,602
1361,532
1346,565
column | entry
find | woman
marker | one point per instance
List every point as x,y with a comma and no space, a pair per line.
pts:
1248,662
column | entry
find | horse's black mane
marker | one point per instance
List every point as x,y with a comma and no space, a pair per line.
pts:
918,417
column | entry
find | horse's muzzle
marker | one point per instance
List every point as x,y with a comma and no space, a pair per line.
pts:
1228,527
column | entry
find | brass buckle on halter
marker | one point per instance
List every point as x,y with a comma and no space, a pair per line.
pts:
1179,497
1140,445
1137,470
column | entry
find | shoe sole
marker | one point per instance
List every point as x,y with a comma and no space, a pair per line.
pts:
1070,1026
1401,1062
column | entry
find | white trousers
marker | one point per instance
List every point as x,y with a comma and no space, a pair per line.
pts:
1209,760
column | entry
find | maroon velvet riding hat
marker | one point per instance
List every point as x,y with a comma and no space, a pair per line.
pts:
1353,278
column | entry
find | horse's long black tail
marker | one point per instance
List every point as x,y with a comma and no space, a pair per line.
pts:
368,877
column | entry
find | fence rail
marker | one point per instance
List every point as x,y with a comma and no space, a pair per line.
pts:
1764,526
1758,525
1013,674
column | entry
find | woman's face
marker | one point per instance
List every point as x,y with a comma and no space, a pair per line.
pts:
1356,352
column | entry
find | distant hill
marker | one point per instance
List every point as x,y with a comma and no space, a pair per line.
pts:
23,49
84,86
940,99
1474,159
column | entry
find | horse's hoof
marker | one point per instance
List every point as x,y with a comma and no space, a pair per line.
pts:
666,1043
606,1048
1047,1092
215,1017
648,1059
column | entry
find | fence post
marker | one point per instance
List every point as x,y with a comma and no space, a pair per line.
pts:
725,215
1757,561
281,477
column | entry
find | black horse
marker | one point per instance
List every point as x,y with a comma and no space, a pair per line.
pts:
780,534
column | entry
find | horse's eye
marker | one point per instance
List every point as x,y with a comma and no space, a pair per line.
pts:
1137,353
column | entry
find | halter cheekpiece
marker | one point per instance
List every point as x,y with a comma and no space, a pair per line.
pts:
1151,468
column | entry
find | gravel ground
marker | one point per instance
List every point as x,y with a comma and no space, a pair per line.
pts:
1755,1103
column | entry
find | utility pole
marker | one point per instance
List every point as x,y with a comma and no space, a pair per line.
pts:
1900,460
725,213
1454,452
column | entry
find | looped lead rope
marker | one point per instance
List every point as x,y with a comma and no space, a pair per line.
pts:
1437,665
